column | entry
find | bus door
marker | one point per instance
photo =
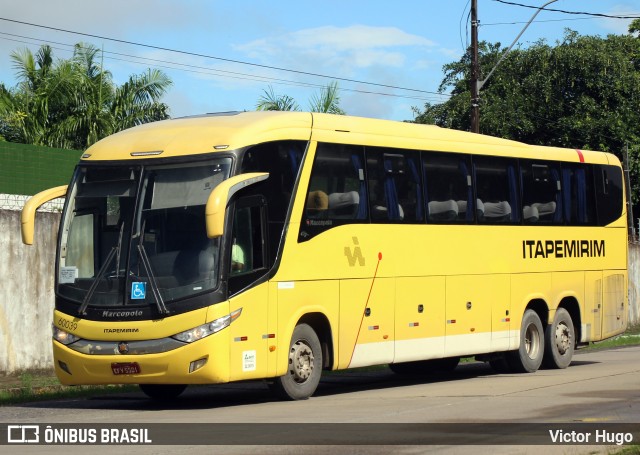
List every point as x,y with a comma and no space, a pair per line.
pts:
247,263
614,314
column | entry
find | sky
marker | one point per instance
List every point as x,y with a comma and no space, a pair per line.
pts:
222,55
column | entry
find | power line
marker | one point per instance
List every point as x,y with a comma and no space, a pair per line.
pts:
196,69
465,47
212,57
539,22
609,16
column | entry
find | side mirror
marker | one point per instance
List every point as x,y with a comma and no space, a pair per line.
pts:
28,217
219,198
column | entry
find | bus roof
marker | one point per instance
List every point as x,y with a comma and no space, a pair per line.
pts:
228,131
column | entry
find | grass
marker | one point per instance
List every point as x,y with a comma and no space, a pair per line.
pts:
630,337
30,387
633,449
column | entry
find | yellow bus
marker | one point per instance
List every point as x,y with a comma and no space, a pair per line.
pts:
275,245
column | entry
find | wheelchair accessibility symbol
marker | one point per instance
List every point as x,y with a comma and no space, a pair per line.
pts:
138,290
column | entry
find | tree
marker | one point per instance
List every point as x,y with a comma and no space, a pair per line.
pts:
634,27
272,102
327,101
582,93
73,103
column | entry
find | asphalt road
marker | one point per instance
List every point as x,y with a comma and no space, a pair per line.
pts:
600,390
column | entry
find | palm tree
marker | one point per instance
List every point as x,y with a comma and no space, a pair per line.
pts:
272,102
326,101
73,103
27,108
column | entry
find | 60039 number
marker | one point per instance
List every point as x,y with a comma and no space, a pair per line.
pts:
66,324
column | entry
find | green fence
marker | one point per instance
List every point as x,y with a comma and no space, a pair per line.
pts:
28,169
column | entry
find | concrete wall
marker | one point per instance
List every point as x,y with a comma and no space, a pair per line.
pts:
634,283
26,292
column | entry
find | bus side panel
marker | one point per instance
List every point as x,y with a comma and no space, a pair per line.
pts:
592,316
248,334
366,322
419,318
526,287
614,303
468,314
501,319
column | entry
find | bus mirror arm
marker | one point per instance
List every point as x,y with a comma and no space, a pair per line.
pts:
216,207
28,215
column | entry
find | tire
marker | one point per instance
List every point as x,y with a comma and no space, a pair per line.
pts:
424,367
305,366
528,357
560,339
162,392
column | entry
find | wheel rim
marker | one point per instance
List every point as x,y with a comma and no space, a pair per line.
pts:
532,341
563,338
301,361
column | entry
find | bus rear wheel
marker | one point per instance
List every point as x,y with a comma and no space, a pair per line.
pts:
528,357
162,392
305,365
559,340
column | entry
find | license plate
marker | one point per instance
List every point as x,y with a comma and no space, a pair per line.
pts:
125,368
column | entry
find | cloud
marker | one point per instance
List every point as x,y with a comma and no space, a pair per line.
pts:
356,46
620,26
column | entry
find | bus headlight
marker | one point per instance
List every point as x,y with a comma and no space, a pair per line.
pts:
200,332
63,337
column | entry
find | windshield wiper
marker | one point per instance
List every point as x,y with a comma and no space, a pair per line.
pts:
162,309
115,252
85,303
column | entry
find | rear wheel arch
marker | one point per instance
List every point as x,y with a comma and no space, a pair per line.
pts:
541,308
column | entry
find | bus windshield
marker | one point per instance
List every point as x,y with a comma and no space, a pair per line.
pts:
136,235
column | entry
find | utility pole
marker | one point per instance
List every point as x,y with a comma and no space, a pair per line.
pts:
476,83
475,70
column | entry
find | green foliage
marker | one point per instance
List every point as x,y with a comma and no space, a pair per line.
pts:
327,101
272,102
73,103
584,93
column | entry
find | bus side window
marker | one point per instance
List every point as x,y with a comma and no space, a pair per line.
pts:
248,256
449,193
281,159
337,191
608,193
497,189
395,189
541,195
578,194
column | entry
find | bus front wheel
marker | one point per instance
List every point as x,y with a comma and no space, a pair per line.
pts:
559,340
528,357
304,368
